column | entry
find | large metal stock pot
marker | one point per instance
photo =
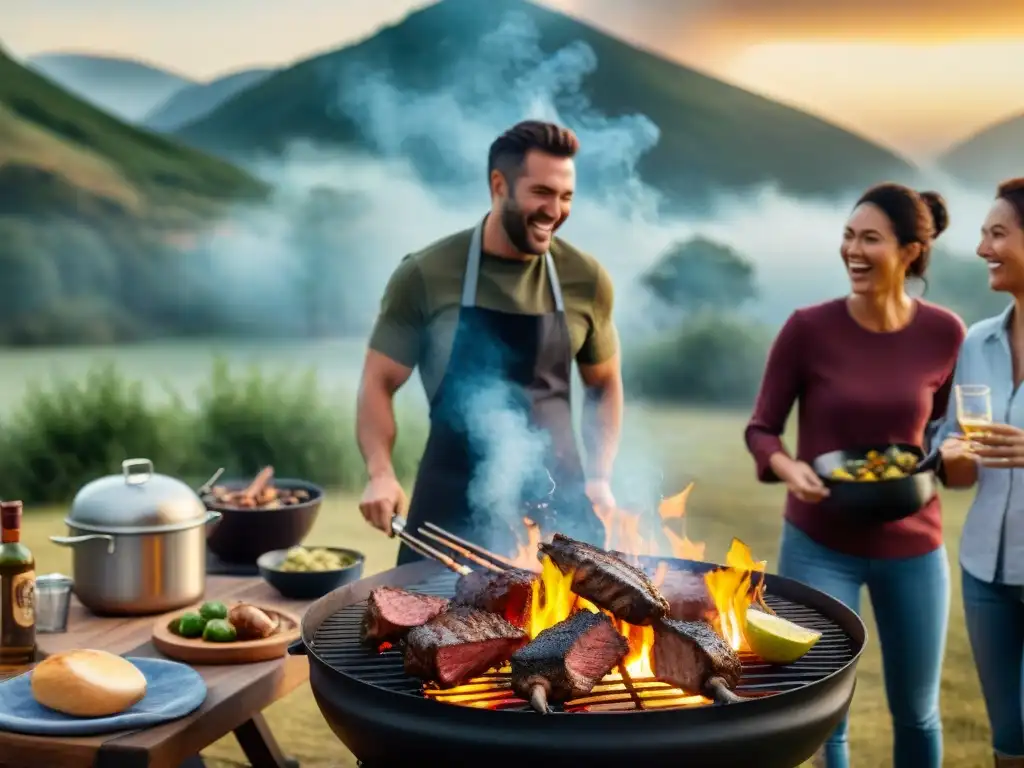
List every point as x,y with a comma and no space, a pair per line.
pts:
139,542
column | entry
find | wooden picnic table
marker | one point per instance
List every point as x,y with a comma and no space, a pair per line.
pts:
237,694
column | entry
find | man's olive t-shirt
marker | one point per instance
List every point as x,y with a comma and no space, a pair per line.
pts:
420,308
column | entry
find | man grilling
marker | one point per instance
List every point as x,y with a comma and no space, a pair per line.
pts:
502,308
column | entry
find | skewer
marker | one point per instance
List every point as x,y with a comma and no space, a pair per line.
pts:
398,526
497,559
627,681
460,550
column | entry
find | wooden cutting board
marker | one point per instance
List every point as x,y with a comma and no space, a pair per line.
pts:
199,651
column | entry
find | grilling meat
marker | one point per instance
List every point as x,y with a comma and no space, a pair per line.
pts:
506,593
690,655
391,613
688,596
460,644
605,580
565,661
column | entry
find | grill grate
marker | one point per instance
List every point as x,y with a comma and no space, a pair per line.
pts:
337,643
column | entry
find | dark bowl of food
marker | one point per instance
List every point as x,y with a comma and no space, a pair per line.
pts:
303,573
877,484
260,515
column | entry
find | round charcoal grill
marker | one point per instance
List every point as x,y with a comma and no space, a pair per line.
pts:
387,719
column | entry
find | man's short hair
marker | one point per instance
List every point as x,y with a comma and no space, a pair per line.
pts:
508,151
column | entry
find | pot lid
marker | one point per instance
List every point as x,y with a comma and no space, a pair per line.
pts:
135,500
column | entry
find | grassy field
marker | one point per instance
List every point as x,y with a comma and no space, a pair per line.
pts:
726,502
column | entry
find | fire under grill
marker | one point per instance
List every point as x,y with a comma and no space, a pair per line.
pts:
337,644
388,718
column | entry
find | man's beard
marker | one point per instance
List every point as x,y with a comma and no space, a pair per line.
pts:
515,222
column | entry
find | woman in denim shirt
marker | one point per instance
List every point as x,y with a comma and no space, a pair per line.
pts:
992,546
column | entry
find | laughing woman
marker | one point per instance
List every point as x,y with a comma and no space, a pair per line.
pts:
992,547
871,368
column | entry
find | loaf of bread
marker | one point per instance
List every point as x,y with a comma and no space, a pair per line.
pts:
87,683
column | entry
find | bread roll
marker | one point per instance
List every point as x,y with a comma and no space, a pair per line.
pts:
86,683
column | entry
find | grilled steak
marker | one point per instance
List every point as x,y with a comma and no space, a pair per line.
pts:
565,661
605,580
690,655
506,593
391,613
460,644
688,596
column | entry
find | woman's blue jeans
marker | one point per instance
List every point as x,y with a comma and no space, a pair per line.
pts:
910,597
995,624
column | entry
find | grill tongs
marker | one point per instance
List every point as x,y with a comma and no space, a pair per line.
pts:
466,549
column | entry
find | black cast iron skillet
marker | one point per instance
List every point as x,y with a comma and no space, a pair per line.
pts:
880,501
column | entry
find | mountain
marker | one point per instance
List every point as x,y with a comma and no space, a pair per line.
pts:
712,134
125,88
989,156
195,101
92,214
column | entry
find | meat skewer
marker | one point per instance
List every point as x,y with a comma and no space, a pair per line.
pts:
507,593
607,581
688,596
690,655
391,613
567,660
460,644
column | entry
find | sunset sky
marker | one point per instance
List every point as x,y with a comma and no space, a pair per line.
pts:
916,75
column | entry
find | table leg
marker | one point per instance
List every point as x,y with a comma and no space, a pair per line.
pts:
259,745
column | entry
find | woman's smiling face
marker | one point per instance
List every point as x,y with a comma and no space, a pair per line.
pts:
1002,248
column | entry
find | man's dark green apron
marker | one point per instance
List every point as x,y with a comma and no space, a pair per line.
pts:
525,361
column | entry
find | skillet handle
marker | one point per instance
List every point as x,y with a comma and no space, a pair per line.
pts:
298,648
931,462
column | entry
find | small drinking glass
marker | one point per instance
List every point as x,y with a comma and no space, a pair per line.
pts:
973,408
53,601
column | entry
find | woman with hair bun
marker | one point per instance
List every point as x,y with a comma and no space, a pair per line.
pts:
872,368
992,543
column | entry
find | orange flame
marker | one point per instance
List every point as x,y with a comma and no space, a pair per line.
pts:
553,601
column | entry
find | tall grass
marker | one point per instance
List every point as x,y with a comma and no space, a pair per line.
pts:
67,432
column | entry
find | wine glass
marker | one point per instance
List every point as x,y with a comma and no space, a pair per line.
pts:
973,408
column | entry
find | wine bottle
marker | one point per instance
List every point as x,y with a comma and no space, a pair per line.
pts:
17,590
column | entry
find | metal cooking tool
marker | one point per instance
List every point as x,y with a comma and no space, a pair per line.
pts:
154,530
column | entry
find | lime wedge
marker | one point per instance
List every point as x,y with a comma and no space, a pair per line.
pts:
777,640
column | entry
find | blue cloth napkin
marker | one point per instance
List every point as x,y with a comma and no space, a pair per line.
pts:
173,690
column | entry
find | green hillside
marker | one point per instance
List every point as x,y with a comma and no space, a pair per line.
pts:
989,156
712,133
43,125
92,213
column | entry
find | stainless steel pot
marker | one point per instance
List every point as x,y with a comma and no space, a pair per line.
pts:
139,542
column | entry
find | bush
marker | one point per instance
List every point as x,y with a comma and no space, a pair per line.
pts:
711,359
64,435
68,433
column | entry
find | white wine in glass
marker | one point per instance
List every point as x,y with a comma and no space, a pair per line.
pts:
973,408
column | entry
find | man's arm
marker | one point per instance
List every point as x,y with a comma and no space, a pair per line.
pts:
601,370
602,416
394,350
376,429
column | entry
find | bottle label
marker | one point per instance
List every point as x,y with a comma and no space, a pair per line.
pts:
23,599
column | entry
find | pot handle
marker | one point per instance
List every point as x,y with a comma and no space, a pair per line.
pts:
298,648
141,477
212,516
70,541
